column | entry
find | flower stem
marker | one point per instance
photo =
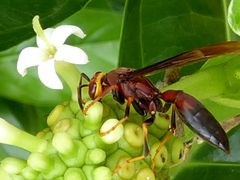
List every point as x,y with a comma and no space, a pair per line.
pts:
13,136
71,76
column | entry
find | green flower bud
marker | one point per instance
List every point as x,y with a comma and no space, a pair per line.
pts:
156,131
4,175
62,111
88,171
84,131
152,139
128,171
74,173
115,134
102,172
39,162
162,121
95,156
63,143
13,165
108,148
58,178
107,111
141,164
162,156
133,134
93,117
29,174
72,152
145,173
71,126
176,149
115,157
55,114
90,141
45,134
77,158
17,177
133,151
49,165
95,141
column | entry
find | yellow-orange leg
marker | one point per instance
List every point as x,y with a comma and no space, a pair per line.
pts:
106,91
166,137
146,123
128,162
121,121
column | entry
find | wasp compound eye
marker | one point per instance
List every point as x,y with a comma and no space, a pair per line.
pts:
92,90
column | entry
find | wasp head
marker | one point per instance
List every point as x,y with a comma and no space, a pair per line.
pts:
95,85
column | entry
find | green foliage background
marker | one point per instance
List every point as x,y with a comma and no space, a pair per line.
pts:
132,33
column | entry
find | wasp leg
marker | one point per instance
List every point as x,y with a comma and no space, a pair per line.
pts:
166,107
106,91
166,137
121,121
80,100
145,124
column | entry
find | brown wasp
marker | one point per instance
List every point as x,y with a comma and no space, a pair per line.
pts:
131,85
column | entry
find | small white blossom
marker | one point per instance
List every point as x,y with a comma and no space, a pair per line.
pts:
51,48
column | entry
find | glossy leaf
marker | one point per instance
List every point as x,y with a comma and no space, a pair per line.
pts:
16,17
154,30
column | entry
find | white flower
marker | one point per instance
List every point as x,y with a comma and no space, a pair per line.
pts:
51,48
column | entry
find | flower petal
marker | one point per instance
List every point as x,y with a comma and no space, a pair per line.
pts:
71,54
41,43
61,33
30,56
48,76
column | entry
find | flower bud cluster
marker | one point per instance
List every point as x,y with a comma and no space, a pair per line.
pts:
76,150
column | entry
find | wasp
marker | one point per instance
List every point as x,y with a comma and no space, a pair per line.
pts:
132,86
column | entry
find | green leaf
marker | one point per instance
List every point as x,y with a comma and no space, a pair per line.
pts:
27,117
16,17
155,30
206,162
102,40
234,16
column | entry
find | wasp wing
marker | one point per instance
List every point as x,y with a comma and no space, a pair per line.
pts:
228,47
